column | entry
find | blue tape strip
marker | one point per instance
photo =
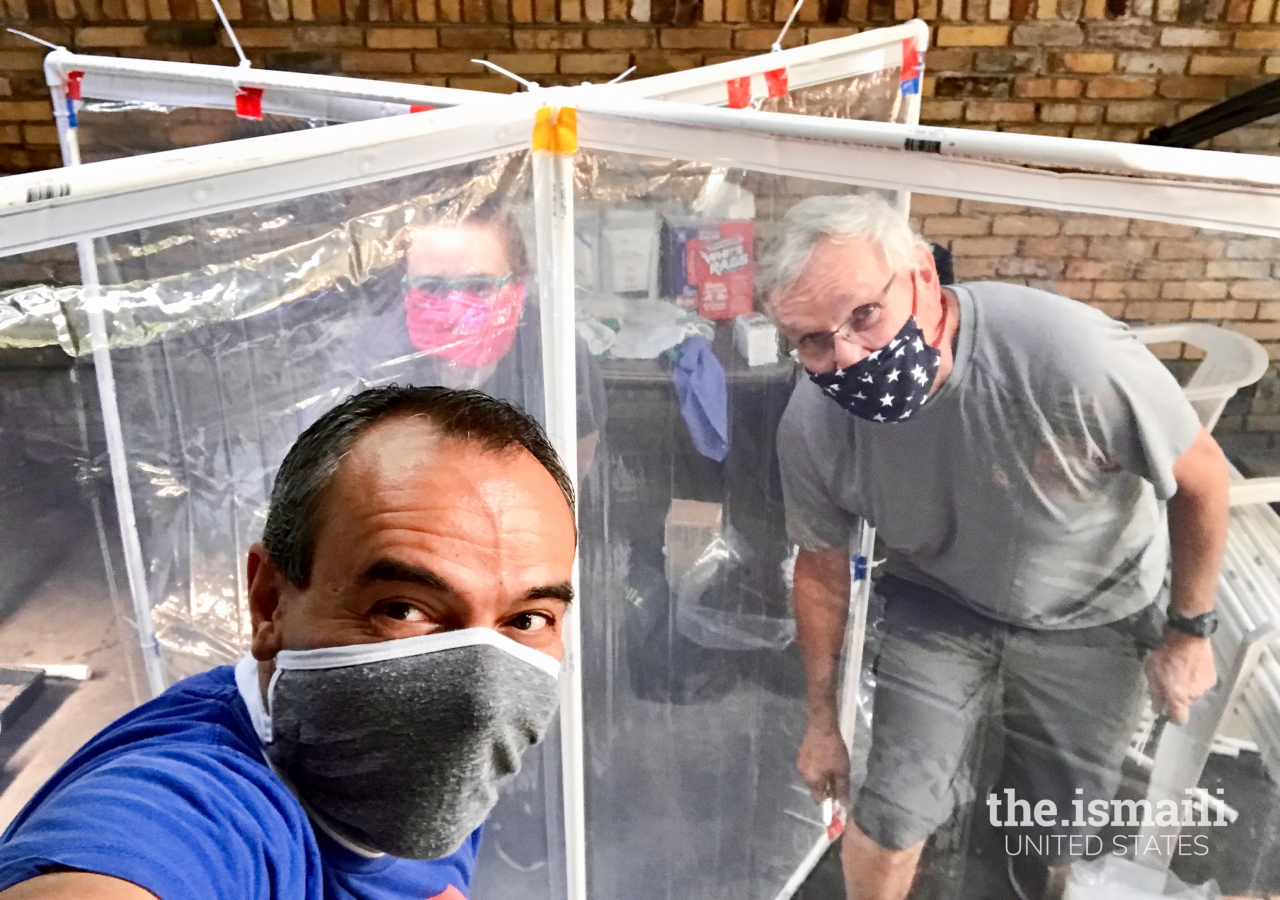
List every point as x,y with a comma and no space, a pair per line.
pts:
859,568
910,86
71,113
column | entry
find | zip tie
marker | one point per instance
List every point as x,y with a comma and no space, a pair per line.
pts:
32,37
528,85
622,76
235,42
777,45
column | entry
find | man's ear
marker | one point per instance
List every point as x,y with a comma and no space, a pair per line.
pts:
266,584
926,268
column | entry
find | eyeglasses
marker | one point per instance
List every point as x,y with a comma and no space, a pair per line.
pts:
486,287
820,348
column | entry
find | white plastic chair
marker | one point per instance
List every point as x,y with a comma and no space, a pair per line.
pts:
1231,361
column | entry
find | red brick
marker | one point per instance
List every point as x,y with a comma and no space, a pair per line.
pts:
985,246
548,39
763,38
1258,40
112,36
1202,88
619,38
444,63
1057,88
955,225
1113,87
1120,248
21,60
1063,247
1097,270
1170,311
998,111
26,111
1223,309
696,38
1087,63
456,38
1254,290
972,35
416,38
1070,112
1194,37
1225,65
1189,249
1193,290
595,63
1154,112
1029,225
525,63
368,62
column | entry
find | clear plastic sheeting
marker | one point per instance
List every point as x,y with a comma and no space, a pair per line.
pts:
111,129
873,97
1021,568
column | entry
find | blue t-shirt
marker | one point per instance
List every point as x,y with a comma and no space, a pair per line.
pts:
177,798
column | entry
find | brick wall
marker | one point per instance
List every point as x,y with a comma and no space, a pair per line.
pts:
1107,69
1141,272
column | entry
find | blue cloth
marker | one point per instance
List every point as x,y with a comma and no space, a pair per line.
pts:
704,399
177,798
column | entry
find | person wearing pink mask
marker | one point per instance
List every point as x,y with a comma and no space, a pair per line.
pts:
468,320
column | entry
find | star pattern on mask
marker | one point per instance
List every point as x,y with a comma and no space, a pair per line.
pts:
875,388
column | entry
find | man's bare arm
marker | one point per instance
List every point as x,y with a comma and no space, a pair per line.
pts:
76,886
1182,669
821,599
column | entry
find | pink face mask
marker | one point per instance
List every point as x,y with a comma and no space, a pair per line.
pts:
464,328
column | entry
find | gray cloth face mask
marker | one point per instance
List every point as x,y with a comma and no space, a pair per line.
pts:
400,747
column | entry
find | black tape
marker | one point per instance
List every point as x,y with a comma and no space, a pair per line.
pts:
49,191
922,145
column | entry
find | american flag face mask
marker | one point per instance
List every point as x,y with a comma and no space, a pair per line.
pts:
891,383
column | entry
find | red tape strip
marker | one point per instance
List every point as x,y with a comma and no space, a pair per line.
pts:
249,103
776,82
739,92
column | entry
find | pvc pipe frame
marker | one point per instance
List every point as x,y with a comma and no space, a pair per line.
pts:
109,197
553,228
134,564
343,99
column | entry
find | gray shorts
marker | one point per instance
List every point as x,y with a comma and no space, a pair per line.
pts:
1067,702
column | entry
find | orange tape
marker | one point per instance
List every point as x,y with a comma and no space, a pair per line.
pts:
556,130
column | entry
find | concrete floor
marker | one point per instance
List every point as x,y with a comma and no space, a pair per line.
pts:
68,618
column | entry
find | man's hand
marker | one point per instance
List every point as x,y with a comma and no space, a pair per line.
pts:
1179,672
824,763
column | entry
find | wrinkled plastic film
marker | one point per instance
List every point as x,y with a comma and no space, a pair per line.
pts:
111,129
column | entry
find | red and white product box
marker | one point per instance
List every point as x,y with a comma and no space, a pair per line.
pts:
720,263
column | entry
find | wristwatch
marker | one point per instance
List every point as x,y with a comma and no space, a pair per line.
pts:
1200,626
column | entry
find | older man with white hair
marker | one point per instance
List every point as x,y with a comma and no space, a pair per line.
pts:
1031,470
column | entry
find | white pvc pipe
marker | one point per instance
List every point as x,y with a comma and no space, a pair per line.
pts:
45,209
553,224
170,83
858,54
135,568
1106,157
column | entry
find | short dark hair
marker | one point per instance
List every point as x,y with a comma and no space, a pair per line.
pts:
313,460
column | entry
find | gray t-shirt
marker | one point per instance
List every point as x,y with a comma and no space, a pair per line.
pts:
1031,487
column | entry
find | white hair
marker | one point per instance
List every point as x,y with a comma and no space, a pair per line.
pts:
850,217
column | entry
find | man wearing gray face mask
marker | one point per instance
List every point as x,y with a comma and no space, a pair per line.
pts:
407,603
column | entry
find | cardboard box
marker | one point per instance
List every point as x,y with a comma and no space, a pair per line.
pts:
691,525
756,339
